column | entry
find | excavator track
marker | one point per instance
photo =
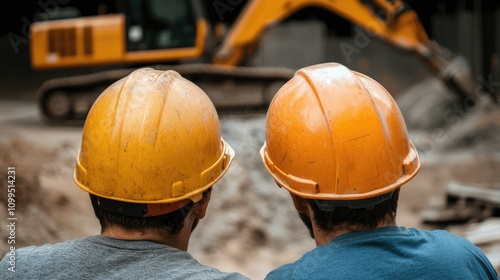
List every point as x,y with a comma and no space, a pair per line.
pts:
67,101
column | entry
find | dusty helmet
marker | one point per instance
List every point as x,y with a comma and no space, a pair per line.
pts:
335,134
152,137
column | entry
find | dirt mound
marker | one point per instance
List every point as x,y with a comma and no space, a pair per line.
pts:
248,210
32,203
438,123
427,105
49,207
478,130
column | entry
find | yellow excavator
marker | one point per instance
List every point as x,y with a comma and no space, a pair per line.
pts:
167,31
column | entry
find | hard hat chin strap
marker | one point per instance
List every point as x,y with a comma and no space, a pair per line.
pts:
367,203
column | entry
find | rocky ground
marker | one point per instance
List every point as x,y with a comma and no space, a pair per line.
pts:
251,225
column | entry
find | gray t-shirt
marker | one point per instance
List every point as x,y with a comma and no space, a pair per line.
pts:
100,257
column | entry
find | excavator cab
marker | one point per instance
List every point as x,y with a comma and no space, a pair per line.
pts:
144,31
159,24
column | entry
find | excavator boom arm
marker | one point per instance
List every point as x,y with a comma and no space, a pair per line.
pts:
393,22
390,20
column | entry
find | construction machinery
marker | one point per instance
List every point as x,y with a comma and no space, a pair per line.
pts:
178,33
465,203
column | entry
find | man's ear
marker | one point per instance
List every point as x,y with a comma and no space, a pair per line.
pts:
299,203
200,207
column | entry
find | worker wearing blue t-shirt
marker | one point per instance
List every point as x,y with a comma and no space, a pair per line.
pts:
336,140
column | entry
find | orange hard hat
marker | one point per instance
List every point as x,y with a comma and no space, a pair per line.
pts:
335,134
152,137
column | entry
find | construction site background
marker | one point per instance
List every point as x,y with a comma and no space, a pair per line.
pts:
251,225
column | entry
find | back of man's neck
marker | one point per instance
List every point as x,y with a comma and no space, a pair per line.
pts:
118,232
321,237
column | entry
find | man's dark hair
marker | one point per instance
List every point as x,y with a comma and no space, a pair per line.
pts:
343,218
168,224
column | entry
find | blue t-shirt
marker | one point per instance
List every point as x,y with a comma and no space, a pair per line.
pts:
391,253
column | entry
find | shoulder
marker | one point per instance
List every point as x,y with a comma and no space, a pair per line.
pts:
40,260
282,272
441,240
212,273
179,265
50,249
460,252
443,237
311,265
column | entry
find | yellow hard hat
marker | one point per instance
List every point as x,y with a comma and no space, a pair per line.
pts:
335,134
152,137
